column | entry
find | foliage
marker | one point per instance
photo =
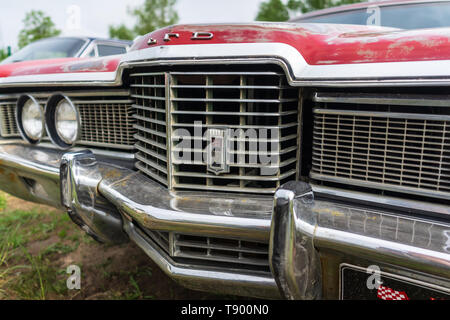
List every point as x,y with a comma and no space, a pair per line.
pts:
276,10
36,26
121,32
3,56
152,15
272,10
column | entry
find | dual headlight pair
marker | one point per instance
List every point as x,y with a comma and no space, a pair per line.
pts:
59,118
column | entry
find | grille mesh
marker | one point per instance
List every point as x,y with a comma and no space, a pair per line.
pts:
406,152
107,124
258,107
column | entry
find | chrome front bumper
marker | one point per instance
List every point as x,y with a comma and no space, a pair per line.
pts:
312,231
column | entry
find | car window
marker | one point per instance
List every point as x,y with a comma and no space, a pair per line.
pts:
410,16
48,49
91,53
108,50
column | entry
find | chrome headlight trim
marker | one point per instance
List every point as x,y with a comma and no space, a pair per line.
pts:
50,121
23,99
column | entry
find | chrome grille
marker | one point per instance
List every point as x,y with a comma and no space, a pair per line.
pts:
8,124
404,151
149,92
174,101
231,252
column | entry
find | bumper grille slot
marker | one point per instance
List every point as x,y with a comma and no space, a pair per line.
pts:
8,126
251,107
396,151
238,254
221,250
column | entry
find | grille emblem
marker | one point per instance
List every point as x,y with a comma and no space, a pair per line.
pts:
217,151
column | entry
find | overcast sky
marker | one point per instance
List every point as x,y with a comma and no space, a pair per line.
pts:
97,15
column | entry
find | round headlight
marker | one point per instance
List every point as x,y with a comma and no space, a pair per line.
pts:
62,121
66,121
30,119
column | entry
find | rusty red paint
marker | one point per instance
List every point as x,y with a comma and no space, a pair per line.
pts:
63,65
323,43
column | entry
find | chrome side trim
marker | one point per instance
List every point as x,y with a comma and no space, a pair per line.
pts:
384,99
298,71
63,79
72,94
384,186
205,279
406,205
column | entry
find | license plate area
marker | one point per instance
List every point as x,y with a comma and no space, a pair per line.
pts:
357,283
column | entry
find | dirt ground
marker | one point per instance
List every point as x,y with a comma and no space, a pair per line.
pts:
38,243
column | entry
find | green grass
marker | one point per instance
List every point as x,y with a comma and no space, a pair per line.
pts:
39,280
23,275
2,202
36,246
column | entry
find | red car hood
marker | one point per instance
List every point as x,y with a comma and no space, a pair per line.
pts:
322,43
319,44
62,65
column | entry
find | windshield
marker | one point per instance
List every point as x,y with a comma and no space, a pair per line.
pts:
48,49
406,16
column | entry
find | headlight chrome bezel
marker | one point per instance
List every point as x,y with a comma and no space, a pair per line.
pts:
50,121
21,102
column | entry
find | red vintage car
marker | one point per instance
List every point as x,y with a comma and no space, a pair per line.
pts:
292,160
